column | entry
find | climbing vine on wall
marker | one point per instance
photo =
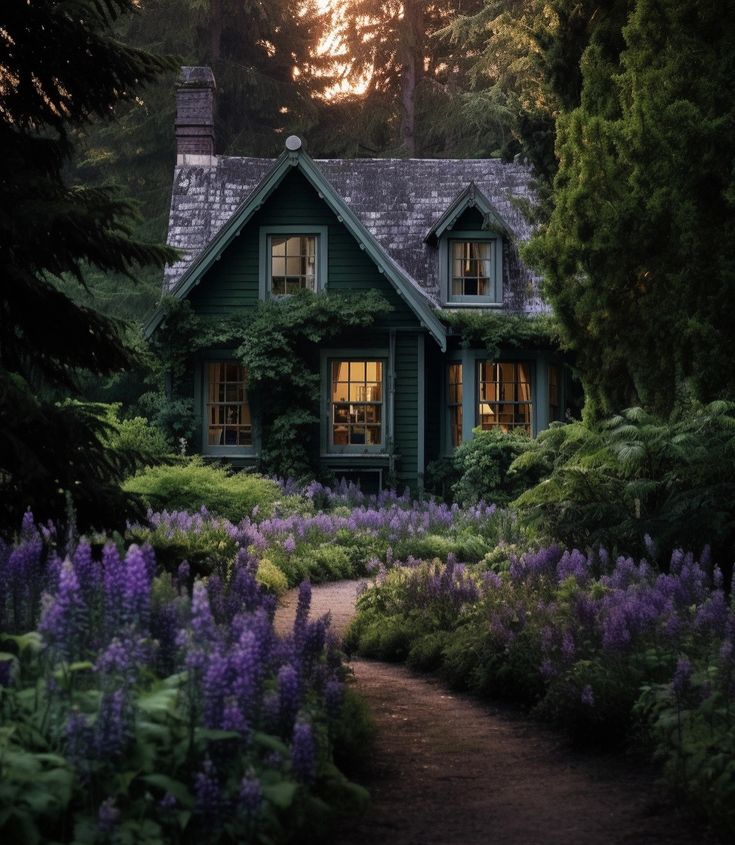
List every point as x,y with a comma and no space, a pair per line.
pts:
278,343
280,348
507,331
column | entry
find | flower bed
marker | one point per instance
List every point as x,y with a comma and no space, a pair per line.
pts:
607,649
145,707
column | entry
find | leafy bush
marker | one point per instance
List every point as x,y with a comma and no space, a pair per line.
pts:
636,475
138,436
483,466
194,485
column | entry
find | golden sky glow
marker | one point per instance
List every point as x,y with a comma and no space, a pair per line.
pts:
332,44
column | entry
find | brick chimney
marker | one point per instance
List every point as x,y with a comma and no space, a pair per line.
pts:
195,117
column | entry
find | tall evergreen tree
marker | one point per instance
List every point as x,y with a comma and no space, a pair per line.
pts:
412,75
640,250
60,66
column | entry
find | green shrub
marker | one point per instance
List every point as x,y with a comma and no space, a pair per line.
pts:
634,475
137,435
483,465
194,485
271,577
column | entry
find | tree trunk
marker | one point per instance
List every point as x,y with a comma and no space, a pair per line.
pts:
412,70
215,30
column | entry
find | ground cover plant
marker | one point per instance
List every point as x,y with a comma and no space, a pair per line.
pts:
609,649
141,706
321,534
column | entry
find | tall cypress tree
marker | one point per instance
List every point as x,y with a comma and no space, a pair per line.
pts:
639,253
60,66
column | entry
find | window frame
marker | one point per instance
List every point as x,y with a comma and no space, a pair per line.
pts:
265,256
493,299
222,357
531,366
329,357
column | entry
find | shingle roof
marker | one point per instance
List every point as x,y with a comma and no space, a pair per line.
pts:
397,200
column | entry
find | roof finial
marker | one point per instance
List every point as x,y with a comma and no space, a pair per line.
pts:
293,143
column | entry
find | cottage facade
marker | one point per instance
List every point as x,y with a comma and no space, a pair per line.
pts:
428,234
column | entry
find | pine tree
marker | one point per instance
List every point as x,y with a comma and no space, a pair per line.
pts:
60,66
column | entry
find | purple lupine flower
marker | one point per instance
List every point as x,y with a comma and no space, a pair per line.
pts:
78,740
113,578
289,544
107,817
567,645
202,623
113,728
87,570
215,687
136,593
303,604
208,793
587,696
63,623
333,697
233,718
120,658
182,575
682,675
168,802
303,752
27,527
251,795
289,693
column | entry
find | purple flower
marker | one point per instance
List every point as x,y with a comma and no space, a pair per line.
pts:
289,693
333,697
251,795
208,793
588,697
289,544
113,729
682,675
136,594
64,620
303,752
107,817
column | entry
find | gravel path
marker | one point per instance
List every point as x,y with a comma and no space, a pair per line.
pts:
448,770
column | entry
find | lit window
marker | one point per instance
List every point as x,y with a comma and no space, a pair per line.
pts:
472,268
455,404
357,403
505,396
228,414
293,264
553,393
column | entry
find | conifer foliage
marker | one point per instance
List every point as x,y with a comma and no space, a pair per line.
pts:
60,66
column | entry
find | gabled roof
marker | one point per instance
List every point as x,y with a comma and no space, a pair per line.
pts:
396,200
470,197
294,156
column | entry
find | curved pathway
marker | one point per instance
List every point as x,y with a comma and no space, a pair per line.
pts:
448,770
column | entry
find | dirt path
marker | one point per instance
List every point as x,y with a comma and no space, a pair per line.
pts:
451,771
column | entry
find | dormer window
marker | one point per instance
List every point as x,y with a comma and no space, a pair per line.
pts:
471,268
292,259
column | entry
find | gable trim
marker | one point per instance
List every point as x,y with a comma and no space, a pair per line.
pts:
404,286
470,197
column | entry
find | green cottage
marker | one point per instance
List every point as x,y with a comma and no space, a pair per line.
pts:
430,235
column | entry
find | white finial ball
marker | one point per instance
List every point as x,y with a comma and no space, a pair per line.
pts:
293,143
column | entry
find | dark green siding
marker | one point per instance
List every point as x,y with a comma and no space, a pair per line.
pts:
406,410
435,368
231,284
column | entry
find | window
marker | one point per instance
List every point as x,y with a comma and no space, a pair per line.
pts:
455,404
292,258
553,393
471,268
356,406
293,264
228,413
505,396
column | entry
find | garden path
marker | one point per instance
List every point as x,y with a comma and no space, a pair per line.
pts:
449,770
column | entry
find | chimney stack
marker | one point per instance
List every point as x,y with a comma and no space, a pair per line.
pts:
195,117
